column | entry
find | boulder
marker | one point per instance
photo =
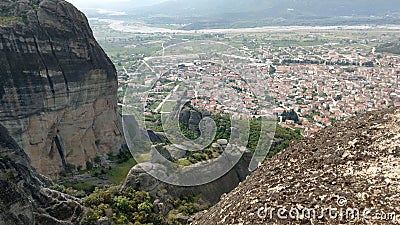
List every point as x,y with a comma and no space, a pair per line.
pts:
223,142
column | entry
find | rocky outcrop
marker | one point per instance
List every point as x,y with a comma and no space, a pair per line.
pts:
58,88
163,193
191,118
353,165
155,137
24,198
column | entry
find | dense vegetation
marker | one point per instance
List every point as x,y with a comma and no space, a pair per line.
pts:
123,207
283,138
15,11
131,207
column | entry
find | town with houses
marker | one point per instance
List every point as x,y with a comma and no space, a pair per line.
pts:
322,83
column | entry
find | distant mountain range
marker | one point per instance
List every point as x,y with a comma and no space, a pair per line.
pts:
201,14
244,13
318,8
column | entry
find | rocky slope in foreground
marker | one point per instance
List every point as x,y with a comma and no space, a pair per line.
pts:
352,165
57,86
24,198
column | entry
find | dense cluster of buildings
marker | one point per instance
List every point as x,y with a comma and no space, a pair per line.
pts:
325,84
209,86
321,84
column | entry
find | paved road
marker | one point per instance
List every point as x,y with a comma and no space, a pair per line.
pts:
166,99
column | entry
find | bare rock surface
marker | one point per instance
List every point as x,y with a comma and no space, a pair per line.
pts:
58,88
354,165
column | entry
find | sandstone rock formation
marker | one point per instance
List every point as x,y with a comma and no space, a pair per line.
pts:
210,193
24,198
58,88
191,118
353,165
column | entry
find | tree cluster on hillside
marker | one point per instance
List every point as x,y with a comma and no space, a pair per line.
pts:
131,207
393,48
290,115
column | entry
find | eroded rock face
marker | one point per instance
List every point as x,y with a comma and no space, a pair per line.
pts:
24,198
210,193
191,118
58,88
353,165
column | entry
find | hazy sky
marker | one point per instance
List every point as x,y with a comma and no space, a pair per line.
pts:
94,2
113,4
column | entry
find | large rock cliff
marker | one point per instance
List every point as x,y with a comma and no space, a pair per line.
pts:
24,198
57,86
346,174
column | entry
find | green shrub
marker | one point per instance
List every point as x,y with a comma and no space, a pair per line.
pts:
145,206
123,207
9,174
89,165
97,159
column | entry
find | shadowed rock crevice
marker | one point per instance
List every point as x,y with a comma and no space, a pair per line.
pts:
60,151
